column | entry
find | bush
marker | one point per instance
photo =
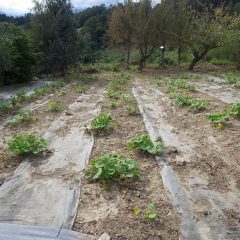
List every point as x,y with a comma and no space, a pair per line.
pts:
145,144
27,143
113,167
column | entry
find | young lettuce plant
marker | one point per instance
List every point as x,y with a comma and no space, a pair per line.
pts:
145,144
112,167
101,123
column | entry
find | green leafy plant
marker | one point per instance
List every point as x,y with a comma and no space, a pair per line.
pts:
78,88
235,110
145,144
113,167
126,97
27,143
132,110
194,104
6,106
101,123
112,94
24,116
230,78
219,120
54,106
151,212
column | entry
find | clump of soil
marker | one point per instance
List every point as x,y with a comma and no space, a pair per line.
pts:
111,210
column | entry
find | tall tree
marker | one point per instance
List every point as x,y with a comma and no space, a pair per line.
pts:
210,29
144,29
120,27
54,34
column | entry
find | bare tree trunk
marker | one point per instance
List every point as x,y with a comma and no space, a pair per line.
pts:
141,63
197,58
128,55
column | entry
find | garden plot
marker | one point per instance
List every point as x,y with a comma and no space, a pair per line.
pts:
219,90
201,174
44,192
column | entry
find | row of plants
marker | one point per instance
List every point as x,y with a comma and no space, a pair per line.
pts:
21,97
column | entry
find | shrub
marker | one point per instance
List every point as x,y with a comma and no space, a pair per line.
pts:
112,94
145,144
113,167
24,116
219,120
27,143
230,78
101,123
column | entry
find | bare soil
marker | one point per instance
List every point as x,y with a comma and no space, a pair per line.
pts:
111,210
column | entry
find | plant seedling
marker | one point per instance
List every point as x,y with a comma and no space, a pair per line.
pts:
101,123
54,106
24,116
112,167
27,143
219,120
145,144
235,110
151,212
133,110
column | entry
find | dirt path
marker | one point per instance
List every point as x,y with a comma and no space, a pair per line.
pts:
45,192
202,170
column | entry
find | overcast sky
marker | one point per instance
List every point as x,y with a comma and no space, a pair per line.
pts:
19,7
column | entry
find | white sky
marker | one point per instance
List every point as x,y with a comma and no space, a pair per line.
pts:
19,7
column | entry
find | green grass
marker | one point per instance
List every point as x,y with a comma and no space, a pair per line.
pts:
54,106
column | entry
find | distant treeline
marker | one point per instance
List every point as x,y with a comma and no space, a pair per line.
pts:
53,37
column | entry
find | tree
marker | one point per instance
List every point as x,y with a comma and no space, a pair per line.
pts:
144,30
16,56
120,27
210,29
54,34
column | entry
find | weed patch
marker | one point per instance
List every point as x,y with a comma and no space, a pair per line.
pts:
101,123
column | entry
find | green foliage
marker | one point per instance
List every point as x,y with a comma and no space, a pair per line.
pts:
24,116
231,78
194,104
78,88
54,106
54,35
16,56
113,167
6,106
145,144
219,120
27,143
101,123
151,212
112,94
235,110
132,110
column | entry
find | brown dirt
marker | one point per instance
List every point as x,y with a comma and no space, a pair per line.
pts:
64,96
112,211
